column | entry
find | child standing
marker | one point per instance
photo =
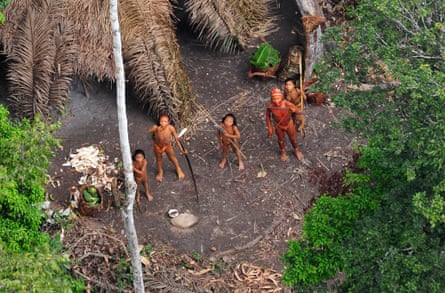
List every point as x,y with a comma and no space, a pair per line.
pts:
162,135
140,174
296,97
228,134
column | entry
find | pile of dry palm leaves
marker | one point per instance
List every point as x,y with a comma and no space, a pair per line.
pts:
47,42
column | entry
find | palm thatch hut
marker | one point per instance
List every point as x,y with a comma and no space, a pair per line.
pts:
47,42
229,25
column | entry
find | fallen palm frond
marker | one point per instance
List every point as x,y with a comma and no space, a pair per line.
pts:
228,25
31,63
152,60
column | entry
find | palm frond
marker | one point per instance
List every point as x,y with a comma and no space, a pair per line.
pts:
92,31
258,20
81,38
66,51
13,14
31,64
151,55
215,24
228,25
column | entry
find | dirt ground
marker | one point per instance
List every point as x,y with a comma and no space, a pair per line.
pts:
241,216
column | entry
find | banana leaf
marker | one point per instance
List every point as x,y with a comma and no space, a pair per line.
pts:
265,56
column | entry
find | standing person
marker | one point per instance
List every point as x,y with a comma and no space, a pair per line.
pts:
229,135
296,97
281,112
140,174
162,136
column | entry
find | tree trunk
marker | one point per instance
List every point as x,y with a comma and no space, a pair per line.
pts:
314,47
130,184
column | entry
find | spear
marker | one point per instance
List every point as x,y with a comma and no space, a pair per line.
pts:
181,133
301,82
301,91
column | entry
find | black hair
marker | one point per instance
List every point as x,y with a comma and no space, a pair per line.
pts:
160,116
229,115
137,152
291,79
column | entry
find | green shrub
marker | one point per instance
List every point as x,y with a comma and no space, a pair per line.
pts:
318,256
40,270
27,262
398,247
25,154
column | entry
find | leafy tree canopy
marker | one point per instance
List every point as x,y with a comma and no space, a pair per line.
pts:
386,65
29,261
25,154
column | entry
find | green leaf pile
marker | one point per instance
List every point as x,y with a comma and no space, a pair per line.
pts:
265,56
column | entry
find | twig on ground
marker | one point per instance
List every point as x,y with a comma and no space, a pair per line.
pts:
323,164
199,157
298,198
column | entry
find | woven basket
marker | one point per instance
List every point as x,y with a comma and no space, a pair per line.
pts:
87,210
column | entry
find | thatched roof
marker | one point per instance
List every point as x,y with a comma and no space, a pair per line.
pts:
149,37
48,41
229,25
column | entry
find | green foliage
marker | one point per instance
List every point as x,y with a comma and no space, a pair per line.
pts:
124,274
196,256
27,262
39,270
396,49
3,4
265,56
25,153
147,250
433,209
307,266
317,257
391,252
